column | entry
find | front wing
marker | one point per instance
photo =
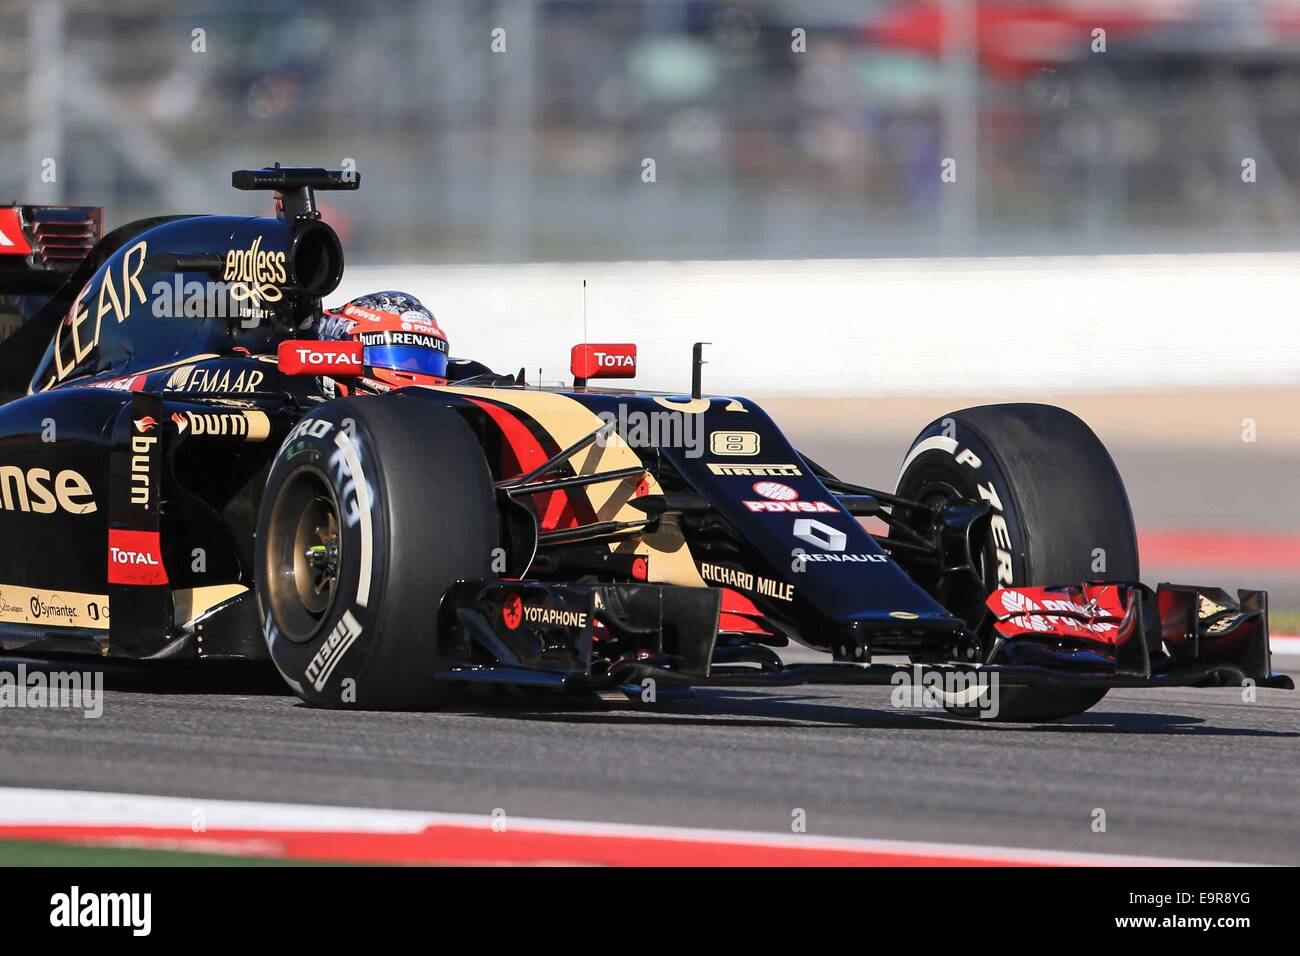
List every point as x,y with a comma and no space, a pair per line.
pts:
600,636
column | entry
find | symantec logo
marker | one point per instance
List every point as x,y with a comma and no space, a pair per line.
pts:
610,360
135,557
319,358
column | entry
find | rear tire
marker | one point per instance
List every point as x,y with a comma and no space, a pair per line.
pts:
350,574
1060,516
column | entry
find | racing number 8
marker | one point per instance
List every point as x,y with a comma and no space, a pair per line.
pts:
734,443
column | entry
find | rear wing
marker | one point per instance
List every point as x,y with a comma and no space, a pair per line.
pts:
40,245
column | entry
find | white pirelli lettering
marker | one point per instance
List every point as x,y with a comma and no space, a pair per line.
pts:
349,452
343,636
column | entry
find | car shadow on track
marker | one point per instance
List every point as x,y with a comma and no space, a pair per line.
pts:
708,708
161,677
1103,722
744,709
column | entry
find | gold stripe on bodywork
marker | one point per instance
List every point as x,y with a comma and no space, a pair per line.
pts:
568,421
47,608
192,603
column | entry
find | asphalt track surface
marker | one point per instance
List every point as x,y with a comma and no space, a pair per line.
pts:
1179,773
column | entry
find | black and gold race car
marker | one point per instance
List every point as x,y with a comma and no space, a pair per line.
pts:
189,470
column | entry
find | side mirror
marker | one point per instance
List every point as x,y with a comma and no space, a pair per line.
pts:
311,357
609,360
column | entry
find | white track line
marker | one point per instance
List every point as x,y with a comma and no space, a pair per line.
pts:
75,808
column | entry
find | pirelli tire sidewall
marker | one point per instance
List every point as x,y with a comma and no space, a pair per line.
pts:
1059,513
423,519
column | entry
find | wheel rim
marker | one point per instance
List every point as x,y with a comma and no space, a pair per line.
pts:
958,595
304,551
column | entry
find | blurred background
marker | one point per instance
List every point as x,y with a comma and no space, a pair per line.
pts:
529,144
876,210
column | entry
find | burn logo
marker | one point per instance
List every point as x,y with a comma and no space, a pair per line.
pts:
142,446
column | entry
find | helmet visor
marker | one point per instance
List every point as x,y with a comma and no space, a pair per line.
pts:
407,358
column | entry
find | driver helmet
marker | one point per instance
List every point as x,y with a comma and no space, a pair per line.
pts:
403,344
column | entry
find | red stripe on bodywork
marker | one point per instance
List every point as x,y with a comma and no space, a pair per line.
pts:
526,449
738,624
738,613
553,508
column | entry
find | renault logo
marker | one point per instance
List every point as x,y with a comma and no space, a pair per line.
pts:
821,534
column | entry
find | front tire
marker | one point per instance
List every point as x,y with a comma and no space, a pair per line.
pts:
373,507
1060,515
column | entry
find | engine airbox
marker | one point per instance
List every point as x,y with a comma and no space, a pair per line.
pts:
315,259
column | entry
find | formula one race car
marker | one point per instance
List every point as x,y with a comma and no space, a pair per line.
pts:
194,471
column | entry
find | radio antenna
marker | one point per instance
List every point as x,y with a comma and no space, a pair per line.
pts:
584,311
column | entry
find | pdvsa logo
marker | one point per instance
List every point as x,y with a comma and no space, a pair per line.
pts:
781,497
361,312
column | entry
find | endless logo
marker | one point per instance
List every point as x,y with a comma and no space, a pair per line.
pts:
254,274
